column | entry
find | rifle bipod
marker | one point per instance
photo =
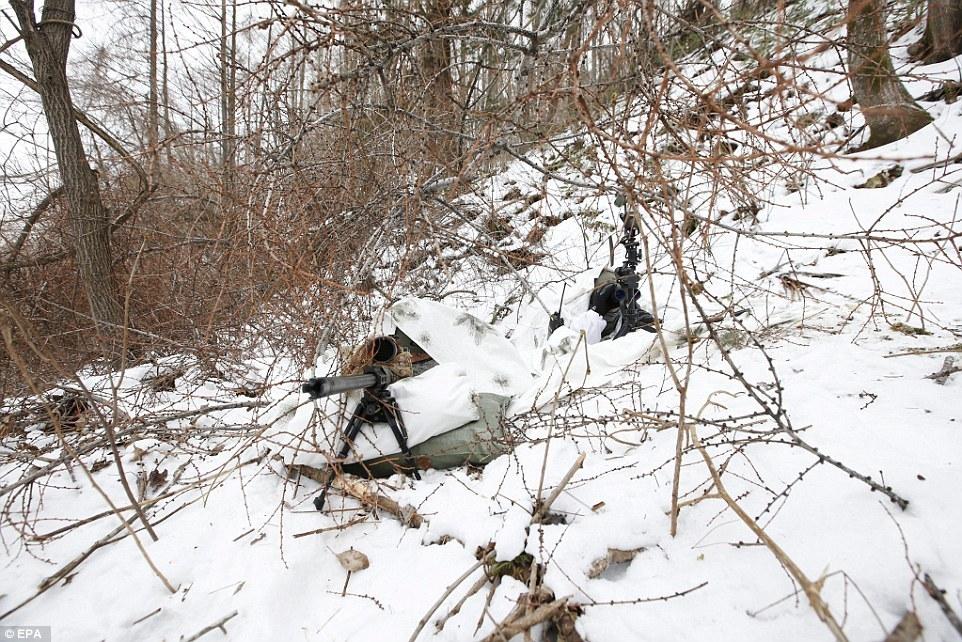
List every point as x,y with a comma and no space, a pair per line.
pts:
376,405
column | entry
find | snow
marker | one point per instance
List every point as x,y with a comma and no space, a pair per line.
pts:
820,330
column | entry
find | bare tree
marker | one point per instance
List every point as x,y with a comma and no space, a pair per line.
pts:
47,43
943,33
889,110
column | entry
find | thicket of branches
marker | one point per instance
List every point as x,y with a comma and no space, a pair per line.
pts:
261,155
273,173
254,159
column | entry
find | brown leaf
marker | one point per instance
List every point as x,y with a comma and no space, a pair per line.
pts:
156,479
353,561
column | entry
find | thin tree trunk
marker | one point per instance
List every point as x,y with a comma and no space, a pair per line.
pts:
165,86
228,44
47,48
889,110
153,111
943,33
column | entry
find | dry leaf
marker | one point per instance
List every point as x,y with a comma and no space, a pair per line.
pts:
614,556
353,561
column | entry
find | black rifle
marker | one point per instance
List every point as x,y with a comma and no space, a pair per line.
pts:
376,405
623,293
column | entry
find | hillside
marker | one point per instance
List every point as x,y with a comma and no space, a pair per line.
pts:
808,297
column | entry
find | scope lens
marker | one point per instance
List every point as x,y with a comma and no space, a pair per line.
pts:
384,349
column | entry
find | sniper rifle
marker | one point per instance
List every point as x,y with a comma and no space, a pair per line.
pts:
377,405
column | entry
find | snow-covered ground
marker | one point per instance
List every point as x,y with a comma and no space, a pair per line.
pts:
847,299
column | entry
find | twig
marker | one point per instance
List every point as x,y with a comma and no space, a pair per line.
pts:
207,629
164,418
543,509
165,494
101,443
956,347
38,211
643,600
138,509
65,570
149,615
93,518
326,529
938,595
680,383
439,624
781,419
450,589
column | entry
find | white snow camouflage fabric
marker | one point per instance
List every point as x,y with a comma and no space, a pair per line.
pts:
473,357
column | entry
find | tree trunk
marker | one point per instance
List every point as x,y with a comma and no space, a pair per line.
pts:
943,33
47,44
436,71
153,111
164,84
228,48
889,110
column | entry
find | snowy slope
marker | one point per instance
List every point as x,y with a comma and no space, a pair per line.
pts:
832,335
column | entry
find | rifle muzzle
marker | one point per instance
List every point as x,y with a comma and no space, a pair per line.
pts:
326,386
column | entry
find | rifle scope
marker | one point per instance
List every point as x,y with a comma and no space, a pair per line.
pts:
383,349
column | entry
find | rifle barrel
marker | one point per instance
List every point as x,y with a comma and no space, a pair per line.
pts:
326,386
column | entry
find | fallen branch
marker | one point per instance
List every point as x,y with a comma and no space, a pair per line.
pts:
521,623
360,491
